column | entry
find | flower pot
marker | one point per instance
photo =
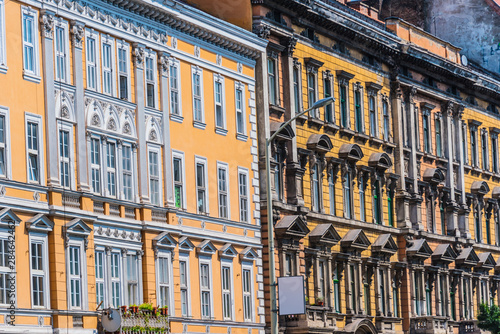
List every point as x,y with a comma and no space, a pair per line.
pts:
164,311
134,309
320,303
124,309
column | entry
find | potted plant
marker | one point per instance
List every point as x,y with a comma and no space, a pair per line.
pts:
155,311
134,308
146,307
319,301
164,311
124,309
307,300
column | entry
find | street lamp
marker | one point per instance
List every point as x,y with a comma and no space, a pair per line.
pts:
270,224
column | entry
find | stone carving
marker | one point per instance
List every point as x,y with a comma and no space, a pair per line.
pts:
261,30
164,63
218,60
64,112
112,124
126,129
196,51
153,136
47,25
240,67
95,120
174,42
139,57
78,33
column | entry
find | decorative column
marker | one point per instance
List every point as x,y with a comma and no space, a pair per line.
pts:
163,65
402,196
108,273
447,295
423,299
461,306
413,297
438,295
360,289
378,298
388,292
348,292
463,211
141,123
451,207
51,146
140,254
82,171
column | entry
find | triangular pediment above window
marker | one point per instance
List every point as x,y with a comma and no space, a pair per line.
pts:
486,261
228,251
164,240
324,234
385,244
248,254
185,244
7,215
206,247
39,223
467,257
444,253
77,227
292,226
355,239
419,248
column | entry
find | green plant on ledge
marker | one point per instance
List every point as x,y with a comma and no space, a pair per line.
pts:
146,307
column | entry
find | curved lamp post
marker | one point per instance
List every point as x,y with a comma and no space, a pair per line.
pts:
270,223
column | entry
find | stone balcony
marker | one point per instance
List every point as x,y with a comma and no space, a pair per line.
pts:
430,325
316,319
468,327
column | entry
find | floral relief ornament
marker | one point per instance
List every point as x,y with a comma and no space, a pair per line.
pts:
139,57
78,34
47,25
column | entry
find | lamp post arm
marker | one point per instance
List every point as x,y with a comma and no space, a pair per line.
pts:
270,139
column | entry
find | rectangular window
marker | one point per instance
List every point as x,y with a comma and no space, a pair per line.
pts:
92,60
315,183
336,289
178,182
226,292
132,280
123,69
387,129
3,144
494,153
61,54
154,177
464,143
127,168
220,121
272,79
347,196
5,270
311,92
174,89
362,198
427,133
322,288
183,280
33,153
64,158
3,59
222,180
206,298
38,273
150,82
484,149
201,187
115,280
197,96
164,281
473,147
75,277
243,194
358,109
372,107
30,35
437,125
107,68
290,265
99,276
95,164
377,201
240,113
344,111
328,92
382,290
331,190
247,294
297,91
417,128
111,169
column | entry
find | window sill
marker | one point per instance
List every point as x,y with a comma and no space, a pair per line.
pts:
32,78
346,131
176,118
221,131
241,137
315,122
331,127
361,136
389,144
3,69
199,125
277,110
376,140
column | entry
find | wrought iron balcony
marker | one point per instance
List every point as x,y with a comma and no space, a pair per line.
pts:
136,321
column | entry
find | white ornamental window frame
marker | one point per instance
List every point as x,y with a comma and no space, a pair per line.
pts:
91,34
228,263
175,116
40,238
225,167
5,112
34,73
180,156
251,294
246,196
122,172
197,71
62,24
109,170
79,243
206,260
67,127
35,119
122,45
202,161
184,257
110,70
241,134
151,57
168,255
152,148
219,80
3,53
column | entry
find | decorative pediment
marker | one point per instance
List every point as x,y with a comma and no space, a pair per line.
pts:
185,244
7,215
486,261
467,257
351,152
419,248
324,234
248,254
385,244
285,134
39,223
228,251
480,188
444,253
355,239
292,226
319,143
77,228
380,161
496,193
206,247
433,175
164,240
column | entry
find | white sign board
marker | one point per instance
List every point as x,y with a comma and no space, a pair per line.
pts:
291,295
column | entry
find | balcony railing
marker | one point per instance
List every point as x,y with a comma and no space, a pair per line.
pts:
429,325
315,317
144,322
468,327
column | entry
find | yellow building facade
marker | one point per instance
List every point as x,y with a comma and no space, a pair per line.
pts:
128,164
